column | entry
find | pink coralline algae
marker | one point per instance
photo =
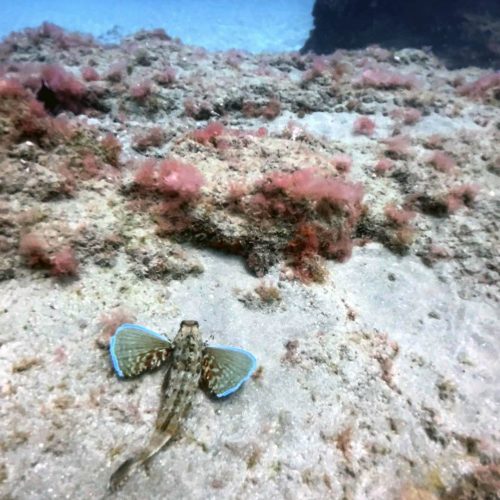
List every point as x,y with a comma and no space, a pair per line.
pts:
384,79
208,135
64,91
166,77
364,126
152,138
397,146
64,263
89,74
11,89
35,250
407,116
480,87
308,183
398,216
459,196
342,163
171,178
442,162
140,91
382,166
287,195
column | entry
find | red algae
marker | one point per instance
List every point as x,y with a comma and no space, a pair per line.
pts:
89,74
397,146
385,79
479,88
64,263
111,148
209,134
460,196
342,163
153,138
442,162
407,116
310,184
322,210
171,178
398,216
11,89
269,111
166,77
310,192
68,92
141,91
364,126
383,166
35,250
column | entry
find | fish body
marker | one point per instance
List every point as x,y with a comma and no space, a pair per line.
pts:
220,370
182,378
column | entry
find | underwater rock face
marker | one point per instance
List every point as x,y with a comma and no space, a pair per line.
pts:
335,215
461,32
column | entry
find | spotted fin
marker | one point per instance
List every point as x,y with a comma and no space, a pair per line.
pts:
225,369
135,349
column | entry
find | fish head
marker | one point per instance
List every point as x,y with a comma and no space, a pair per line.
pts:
189,323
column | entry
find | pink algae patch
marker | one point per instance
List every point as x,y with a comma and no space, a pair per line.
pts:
342,163
364,126
208,134
398,216
69,91
308,183
64,263
459,196
397,145
170,177
34,249
11,89
407,116
480,87
442,162
89,74
382,166
384,79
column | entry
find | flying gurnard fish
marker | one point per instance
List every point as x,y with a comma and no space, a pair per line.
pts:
220,370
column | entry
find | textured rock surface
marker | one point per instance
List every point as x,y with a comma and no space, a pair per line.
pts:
381,382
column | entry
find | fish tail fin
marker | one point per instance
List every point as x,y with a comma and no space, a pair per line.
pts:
122,473
125,470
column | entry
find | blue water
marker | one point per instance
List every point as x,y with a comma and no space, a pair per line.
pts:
253,25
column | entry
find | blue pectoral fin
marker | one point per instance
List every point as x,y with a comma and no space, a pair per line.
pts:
225,369
135,349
